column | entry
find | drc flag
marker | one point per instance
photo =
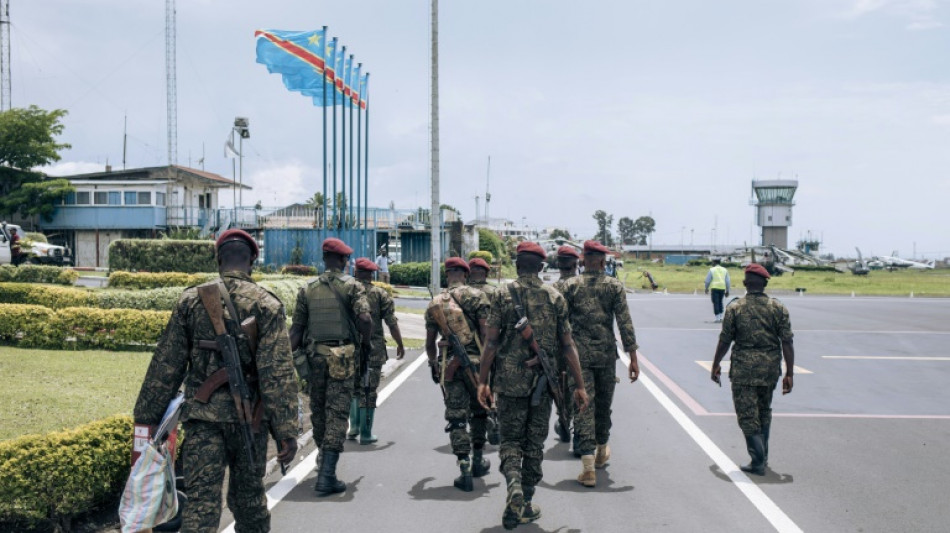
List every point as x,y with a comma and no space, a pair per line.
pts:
298,56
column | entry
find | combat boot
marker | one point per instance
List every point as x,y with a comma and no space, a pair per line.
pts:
480,465
563,433
531,511
367,415
464,481
514,504
602,456
327,483
354,430
765,442
588,477
757,451
574,445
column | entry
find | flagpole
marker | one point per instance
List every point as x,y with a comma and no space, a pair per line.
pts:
324,54
350,103
359,166
336,219
346,197
366,165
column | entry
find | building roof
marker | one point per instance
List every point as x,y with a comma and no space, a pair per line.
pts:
151,173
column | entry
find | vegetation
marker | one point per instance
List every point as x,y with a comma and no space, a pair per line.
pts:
38,274
490,242
162,255
604,222
635,231
559,233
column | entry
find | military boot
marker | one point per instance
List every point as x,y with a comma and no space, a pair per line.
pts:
588,477
531,511
367,415
480,465
765,442
602,456
464,481
327,483
354,430
574,445
514,505
757,451
563,433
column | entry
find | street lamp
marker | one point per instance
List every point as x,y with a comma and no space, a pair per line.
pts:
241,128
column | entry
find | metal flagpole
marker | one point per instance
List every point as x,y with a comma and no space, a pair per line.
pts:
434,213
346,197
349,103
366,165
336,220
324,130
359,165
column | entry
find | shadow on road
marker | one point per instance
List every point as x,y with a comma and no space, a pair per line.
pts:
419,491
560,452
532,528
770,477
305,493
604,484
354,446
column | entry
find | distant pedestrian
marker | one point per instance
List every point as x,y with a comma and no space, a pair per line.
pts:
16,252
717,280
382,262
762,332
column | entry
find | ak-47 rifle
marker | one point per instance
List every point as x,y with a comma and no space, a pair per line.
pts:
549,376
457,349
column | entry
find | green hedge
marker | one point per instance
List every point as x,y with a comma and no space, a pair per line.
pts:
29,326
489,241
38,274
162,255
47,480
154,280
35,326
299,270
286,291
414,274
54,297
486,255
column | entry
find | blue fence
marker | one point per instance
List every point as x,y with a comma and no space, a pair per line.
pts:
278,245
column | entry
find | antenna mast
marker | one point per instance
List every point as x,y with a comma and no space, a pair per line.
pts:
171,84
487,194
5,85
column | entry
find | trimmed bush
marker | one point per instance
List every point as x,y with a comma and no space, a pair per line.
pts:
385,286
286,291
414,274
161,299
51,296
162,255
35,326
486,255
299,270
38,274
155,280
29,326
47,480
489,241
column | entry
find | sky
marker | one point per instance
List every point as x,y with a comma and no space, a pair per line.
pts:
667,109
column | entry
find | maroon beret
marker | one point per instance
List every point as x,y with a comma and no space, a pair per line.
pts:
456,262
478,262
365,264
567,251
336,246
528,247
236,235
594,247
757,269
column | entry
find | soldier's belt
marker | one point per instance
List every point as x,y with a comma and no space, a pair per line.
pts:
335,342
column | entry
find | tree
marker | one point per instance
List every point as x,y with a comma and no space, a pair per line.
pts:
490,242
27,140
315,201
625,230
559,233
604,223
642,228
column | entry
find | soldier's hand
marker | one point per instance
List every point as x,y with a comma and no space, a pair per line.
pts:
288,449
434,369
581,400
484,396
400,352
634,368
715,373
787,384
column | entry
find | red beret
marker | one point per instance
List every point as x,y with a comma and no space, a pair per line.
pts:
236,235
336,246
478,262
592,247
757,269
567,251
365,264
528,247
456,262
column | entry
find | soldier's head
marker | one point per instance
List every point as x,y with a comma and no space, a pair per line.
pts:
756,277
530,258
595,256
567,258
336,254
478,270
456,270
365,269
235,250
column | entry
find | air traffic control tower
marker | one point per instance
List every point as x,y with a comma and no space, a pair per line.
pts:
773,209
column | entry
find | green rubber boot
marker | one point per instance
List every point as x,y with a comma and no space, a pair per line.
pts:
366,425
354,430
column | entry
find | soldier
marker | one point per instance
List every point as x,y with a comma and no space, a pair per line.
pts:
595,301
330,321
381,308
762,333
478,276
186,353
567,257
462,311
524,425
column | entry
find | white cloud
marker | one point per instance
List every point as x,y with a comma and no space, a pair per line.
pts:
68,168
280,184
920,13
943,120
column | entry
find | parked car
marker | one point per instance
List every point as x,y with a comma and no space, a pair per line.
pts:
34,250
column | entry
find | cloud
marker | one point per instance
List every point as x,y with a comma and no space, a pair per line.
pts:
942,120
280,184
68,168
920,13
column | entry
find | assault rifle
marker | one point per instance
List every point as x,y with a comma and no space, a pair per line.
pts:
458,350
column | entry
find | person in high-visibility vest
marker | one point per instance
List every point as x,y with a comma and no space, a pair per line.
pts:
717,279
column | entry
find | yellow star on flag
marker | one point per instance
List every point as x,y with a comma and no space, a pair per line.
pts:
314,39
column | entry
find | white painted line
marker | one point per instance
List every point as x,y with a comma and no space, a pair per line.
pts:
887,357
864,331
724,366
779,520
297,474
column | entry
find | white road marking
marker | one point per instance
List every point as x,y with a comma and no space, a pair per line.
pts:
779,520
887,357
297,474
724,366
865,331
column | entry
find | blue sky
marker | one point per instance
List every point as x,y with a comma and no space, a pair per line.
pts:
663,108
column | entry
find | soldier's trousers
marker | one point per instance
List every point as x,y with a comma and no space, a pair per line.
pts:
329,405
753,407
564,370
461,405
209,449
375,375
524,429
593,425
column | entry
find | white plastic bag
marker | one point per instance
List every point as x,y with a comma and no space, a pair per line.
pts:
149,498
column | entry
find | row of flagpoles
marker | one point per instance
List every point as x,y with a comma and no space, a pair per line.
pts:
320,69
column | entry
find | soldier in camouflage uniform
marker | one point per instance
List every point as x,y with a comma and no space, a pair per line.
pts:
478,279
524,426
381,308
331,322
465,310
567,258
214,441
594,301
762,333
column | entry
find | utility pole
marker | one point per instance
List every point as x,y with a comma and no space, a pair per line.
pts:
171,84
5,83
435,214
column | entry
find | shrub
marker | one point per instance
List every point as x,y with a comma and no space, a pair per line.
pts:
286,291
154,280
385,286
299,270
36,237
80,327
47,480
162,255
490,242
484,254
38,274
160,299
51,296
414,274
29,326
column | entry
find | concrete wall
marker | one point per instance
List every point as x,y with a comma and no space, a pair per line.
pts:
85,252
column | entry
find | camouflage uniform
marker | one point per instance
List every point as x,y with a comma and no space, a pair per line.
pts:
758,325
330,395
382,309
595,300
561,362
460,403
213,434
488,288
524,427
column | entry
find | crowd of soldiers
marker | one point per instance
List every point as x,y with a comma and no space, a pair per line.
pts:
492,350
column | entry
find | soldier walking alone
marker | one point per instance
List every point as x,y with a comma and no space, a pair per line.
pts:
762,332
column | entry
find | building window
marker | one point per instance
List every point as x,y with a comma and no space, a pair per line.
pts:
115,198
100,198
82,197
70,199
159,198
129,197
145,198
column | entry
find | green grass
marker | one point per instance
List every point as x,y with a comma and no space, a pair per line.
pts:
409,344
48,390
412,310
407,293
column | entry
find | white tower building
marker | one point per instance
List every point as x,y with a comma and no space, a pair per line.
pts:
774,200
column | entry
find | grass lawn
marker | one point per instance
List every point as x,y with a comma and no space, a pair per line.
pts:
409,344
413,310
50,390
408,293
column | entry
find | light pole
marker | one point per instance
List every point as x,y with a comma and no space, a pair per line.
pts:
240,127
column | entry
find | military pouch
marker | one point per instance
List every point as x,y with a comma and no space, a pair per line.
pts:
341,360
302,364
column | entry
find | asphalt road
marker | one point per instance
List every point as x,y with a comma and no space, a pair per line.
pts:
860,445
